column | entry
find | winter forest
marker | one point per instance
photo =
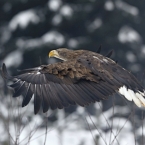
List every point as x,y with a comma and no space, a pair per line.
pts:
29,29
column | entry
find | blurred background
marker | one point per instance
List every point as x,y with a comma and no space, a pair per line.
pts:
29,29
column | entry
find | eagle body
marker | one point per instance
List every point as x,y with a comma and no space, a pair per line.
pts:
82,77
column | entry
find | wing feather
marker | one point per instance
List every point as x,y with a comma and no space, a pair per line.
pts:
58,96
64,96
27,93
75,96
55,96
37,98
45,98
19,89
89,96
92,94
52,102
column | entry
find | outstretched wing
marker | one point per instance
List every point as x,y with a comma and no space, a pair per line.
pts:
116,76
59,85
91,77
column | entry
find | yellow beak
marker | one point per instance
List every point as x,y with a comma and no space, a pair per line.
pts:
53,53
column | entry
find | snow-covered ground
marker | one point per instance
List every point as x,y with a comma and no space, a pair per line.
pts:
79,128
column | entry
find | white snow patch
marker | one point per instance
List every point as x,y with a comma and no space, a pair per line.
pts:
54,5
73,43
109,113
109,6
127,8
111,139
95,25
66,11
122,121
80,110
4,110
53,37
72,132
78,137
130,56
141,131
23,19
128,34
143,50
57,19
14,58
36,121
3,133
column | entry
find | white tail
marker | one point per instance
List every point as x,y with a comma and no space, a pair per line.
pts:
137,97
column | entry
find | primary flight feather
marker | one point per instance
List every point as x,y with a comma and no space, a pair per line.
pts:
83,77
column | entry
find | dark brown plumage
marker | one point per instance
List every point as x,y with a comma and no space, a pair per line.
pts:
82,78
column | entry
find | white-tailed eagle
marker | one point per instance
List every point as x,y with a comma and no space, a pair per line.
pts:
83,77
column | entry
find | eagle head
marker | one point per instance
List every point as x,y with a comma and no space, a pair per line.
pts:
65,54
